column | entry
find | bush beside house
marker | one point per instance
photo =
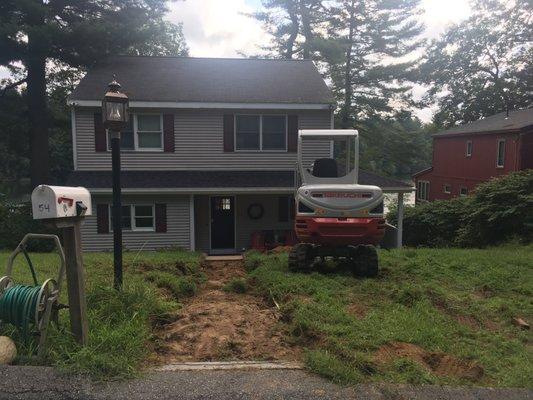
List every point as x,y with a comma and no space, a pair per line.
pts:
16,221
497,211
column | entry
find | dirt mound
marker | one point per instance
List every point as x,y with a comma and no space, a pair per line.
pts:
435,362
217,325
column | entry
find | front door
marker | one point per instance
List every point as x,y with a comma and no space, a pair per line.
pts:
222,222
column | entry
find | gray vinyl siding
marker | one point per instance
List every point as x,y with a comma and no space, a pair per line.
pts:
177,235
198,144
245,226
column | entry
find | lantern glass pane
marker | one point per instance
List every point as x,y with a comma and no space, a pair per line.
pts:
114,111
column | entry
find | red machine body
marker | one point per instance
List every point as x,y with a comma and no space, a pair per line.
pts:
339,231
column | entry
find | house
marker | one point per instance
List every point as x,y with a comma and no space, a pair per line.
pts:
467,155
208,157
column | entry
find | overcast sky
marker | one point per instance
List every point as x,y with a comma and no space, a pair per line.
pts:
220,28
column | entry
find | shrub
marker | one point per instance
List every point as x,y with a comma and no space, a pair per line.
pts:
433,224
497,211
16,221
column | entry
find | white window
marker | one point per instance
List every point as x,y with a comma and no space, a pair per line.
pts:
261,132
149,131
422,192
463,192
500,156
138,217
469,148
144,132
447,189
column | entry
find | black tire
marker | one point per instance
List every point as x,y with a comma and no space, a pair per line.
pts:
365,261
301,257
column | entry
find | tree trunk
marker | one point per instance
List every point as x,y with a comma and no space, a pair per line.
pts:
37,112
289,50
348,92
306,27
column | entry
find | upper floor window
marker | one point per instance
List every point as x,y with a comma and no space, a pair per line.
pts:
422,192
261,132
144,132
500,156
469,148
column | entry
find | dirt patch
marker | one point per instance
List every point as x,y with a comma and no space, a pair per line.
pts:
280,249
436,362
466,320
217,325
357,310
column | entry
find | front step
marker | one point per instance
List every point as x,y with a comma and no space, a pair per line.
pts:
229,365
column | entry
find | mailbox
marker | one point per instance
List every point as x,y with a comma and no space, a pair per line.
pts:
60,202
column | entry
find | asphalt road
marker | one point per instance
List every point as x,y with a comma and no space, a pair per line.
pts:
42,383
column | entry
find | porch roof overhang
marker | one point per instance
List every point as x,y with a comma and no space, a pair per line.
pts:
199,182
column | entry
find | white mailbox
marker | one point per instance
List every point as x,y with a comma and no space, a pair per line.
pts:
60,202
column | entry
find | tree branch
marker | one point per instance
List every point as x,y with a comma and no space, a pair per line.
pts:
12,86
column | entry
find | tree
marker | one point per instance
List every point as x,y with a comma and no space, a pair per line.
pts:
483,65
368,40
294,26
75,34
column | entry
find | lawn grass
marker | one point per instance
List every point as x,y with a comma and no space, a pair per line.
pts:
457,301
120,323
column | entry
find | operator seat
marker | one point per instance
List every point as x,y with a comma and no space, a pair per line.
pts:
325,168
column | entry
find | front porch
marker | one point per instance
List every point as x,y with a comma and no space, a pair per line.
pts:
225,223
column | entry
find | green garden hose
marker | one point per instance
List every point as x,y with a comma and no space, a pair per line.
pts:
18,303
18,306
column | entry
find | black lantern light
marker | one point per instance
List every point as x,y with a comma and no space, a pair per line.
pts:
115,108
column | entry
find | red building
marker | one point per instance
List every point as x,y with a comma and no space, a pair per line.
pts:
467,155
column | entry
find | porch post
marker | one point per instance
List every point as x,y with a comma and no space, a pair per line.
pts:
399,238
192,233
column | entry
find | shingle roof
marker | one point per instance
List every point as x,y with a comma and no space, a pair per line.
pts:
518,119
214,80
209,179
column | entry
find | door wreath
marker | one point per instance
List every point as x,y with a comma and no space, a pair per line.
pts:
255,211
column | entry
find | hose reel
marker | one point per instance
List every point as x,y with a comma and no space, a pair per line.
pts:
30,308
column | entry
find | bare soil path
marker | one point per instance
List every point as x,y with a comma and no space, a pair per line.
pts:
217,325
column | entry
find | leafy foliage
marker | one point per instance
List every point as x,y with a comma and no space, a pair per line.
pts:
482,65
497,211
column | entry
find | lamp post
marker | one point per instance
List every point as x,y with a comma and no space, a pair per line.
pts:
115,118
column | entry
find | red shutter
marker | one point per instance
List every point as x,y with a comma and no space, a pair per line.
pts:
100,139
229,129
161,218
102,218
292,129
168,132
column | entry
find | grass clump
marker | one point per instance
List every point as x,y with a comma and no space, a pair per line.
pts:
236,285
179,286
252,260
459,302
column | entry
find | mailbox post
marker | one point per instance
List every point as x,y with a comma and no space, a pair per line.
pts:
65,208
115,118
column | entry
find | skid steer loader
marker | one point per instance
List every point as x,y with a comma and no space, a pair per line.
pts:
335,216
